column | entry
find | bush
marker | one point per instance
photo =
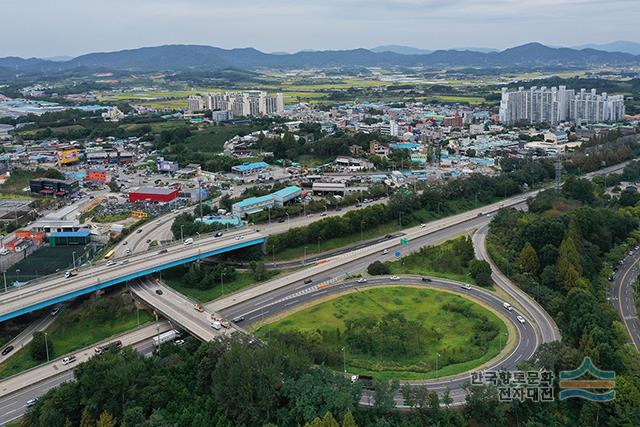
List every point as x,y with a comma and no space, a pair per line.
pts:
480,271
377,268
39,346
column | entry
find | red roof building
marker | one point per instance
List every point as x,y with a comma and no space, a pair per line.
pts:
154,194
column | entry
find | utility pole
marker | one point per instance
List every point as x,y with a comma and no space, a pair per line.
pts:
46,346
558,173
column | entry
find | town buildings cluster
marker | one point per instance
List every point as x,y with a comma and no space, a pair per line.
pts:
225,106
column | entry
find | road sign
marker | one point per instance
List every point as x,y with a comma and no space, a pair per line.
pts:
398,254
404,241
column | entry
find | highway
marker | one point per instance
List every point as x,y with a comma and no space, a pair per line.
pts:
57,288
178,308
25,337
623,295
17,390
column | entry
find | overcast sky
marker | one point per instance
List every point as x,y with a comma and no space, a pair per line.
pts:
71,27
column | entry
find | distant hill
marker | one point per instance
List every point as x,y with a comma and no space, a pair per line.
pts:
209,58
617,46
402,50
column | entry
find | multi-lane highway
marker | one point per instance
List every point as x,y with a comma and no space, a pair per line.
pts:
623,295
57,288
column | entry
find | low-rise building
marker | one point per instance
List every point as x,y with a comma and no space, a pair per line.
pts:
154,194
250,168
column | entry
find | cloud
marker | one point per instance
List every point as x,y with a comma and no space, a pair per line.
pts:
63,27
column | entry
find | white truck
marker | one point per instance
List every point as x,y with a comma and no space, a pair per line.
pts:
165,337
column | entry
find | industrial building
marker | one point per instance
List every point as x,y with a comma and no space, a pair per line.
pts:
329,187
154,194
69,238
257,204
250,168
54,187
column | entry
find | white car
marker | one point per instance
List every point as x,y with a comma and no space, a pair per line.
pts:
179,342
362,280
394,277
188,241
128,251
423,225
31,402
507,306
466,286
110,262
520,319
67,360
386,251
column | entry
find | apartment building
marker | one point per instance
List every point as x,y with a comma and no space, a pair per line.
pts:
248,103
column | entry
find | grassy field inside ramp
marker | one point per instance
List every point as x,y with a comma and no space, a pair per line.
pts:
394,333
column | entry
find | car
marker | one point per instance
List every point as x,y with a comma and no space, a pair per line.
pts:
423,225
216,325
159,291
466,286
125,243
386,251
158,222
507,306
521,319
394,277
148,240
55,311
338,209
388,236
426,279
198,307
281,220
238,319
128,251
139,230
480,213
308,281
110,263
4,251
8,349
69,359
162,251
179,342
362,280
218,234
188,241
31,402
323,214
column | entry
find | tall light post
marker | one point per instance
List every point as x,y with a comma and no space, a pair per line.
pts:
74,259
46,346
304,258
437,356
344,361
361,232
4,275
18,276
288,220
222,281
319,244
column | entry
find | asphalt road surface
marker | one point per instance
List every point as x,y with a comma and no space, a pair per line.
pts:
623,296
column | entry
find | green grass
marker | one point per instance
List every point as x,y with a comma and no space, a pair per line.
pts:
437,261
242,280
75,329
455,329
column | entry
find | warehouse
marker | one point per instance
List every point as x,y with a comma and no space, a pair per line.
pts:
154,194
250,168
54,187
257,204
285,195
329,187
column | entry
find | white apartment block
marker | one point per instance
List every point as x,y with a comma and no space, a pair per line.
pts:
195,103
249,103
555,105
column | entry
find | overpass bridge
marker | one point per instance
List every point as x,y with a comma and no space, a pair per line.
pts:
54,289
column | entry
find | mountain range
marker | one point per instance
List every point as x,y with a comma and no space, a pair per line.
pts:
617,46
203,58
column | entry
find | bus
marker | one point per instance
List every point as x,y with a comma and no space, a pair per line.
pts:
110,254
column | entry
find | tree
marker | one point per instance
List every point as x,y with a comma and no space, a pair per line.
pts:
39,345
384,395
86,420
106,420
378,268
480,270
348,420
528,260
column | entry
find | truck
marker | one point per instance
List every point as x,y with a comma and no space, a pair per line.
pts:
70,273
216,325
165,337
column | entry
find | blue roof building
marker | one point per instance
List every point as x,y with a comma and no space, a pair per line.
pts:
250,168
257,204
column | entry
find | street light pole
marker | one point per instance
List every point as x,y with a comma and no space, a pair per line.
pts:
74,259
181,232
288,220
344,361
361,223
4,275
304,258
46,345
222,281
437,355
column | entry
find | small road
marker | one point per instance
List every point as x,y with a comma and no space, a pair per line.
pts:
622,295
25,337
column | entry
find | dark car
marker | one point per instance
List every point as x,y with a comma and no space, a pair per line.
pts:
426,279
238,319
162,251
307,281
159,291
218,234
281,220
7,350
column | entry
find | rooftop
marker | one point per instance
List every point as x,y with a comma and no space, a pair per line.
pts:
249,166
154,190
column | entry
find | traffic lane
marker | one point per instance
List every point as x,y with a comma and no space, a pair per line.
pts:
526,340
360,265
545,324
13,406
622,296
25,337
